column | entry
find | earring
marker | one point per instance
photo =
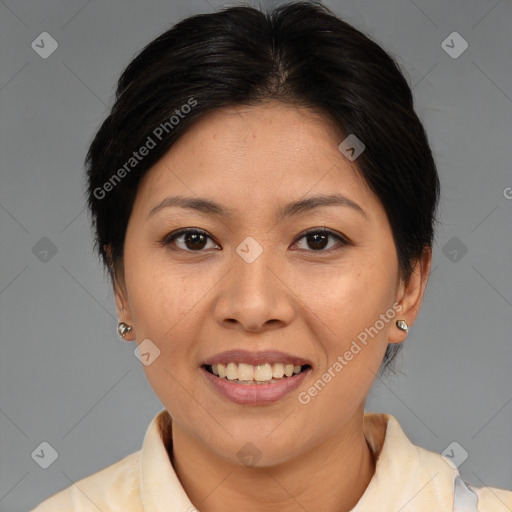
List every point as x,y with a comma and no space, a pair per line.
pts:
402,325
123,329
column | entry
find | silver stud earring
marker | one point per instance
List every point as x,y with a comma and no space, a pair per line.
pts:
402,325
123,329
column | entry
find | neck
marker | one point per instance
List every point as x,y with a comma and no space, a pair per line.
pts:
331,477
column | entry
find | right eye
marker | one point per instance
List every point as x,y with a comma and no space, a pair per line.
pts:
192,239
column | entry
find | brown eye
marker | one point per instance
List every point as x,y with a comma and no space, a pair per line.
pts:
196,240
192,240
318,240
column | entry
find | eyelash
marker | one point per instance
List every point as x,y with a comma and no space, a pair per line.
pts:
169,239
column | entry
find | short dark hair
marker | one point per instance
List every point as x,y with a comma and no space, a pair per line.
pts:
299,53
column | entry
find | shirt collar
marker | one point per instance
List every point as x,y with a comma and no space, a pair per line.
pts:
160,488
406,476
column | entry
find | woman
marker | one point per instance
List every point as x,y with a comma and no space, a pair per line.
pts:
264,199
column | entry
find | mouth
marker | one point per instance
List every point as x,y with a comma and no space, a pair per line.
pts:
260,374
254,378
255,383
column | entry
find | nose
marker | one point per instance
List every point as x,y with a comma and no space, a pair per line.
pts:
254,296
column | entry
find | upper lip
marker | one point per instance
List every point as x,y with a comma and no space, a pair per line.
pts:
255,358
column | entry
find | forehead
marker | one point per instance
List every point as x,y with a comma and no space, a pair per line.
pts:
250,156
269,128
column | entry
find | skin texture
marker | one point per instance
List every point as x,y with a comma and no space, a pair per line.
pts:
196,300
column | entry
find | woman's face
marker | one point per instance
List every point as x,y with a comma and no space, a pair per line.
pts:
255,283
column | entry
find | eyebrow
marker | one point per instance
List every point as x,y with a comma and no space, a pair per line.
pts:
210,207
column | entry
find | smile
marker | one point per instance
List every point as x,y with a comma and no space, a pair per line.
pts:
251,391
245,373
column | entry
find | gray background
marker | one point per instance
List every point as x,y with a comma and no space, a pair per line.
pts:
67,379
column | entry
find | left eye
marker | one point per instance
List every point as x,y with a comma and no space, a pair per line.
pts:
317,239
195,240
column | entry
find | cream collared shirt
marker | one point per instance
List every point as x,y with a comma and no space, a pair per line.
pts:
407,478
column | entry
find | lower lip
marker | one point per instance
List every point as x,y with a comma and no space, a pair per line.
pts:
255,394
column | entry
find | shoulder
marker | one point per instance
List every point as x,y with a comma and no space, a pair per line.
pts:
492,499
113,489
467,497
428,480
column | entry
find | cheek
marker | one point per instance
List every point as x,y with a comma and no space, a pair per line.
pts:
157,293
353,337
164,306
352,333
351,297
169,305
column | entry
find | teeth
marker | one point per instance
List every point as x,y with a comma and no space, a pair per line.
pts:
278,370
246,372
250,374
263,372
232,371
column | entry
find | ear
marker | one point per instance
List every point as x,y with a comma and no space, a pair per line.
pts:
120,294
410,295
